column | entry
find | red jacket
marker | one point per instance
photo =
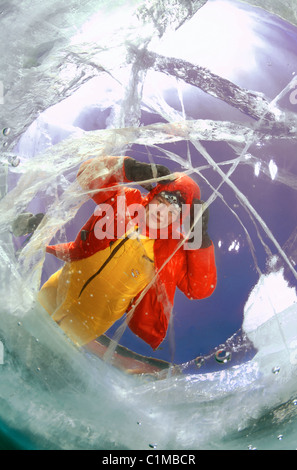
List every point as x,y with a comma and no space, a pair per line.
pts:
192,271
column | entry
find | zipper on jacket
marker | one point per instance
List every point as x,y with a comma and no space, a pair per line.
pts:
105,263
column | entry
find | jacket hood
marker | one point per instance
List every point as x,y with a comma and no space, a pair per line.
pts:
188,190
183,184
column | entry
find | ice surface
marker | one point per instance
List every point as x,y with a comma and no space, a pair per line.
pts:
97,85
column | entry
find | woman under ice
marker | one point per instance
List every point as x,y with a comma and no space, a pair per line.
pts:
116,266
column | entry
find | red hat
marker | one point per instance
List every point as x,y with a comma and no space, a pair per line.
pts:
185,186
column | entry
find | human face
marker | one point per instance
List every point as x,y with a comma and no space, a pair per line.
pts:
160,213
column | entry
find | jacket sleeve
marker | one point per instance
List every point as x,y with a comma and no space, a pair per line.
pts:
100,177
198,276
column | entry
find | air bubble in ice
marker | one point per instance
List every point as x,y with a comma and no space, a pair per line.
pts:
222,356
153,446
199,361
6,131
14,160
276,370
273,169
